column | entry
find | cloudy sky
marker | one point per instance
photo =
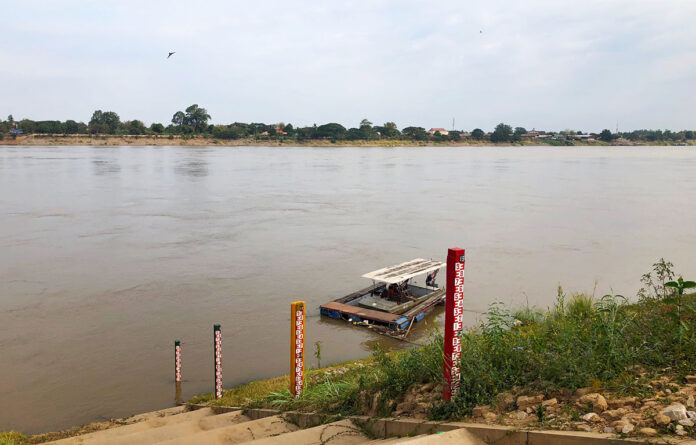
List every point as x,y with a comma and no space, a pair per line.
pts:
548,64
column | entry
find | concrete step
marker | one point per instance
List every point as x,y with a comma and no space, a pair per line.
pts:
251,431
392,440
460,437
156,414
175,426
343,432
135,424
177,430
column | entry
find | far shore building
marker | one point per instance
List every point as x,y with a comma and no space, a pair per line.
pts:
442,131
581,137
531,134
276,131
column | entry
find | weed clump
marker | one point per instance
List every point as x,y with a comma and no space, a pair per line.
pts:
12,438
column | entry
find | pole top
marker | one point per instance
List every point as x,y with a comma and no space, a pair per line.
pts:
216,327
177,343
456,253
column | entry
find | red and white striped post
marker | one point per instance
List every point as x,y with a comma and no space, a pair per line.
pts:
177,361
454,319
217,338
297,347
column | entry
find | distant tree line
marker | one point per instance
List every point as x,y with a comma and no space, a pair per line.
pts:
194,120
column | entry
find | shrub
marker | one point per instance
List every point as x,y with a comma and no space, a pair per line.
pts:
581,343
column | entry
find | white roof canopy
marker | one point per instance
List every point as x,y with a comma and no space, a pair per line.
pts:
404,271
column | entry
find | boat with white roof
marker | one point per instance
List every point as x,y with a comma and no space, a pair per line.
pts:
395,300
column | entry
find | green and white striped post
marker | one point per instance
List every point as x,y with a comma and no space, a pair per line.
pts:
217,339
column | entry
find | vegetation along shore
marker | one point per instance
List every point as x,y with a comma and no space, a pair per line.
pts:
192,127
586,363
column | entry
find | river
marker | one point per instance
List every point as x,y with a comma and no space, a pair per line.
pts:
108,254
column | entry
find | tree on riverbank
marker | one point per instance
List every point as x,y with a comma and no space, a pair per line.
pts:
502,133
415,133
477,134
388,130
197,117
104,122
331,131
193,120
518,133
605,136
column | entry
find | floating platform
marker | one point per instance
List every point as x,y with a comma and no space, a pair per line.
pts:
358,314
392,304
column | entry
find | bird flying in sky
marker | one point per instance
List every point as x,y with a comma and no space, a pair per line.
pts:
170,54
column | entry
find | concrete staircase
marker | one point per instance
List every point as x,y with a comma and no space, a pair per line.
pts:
176,426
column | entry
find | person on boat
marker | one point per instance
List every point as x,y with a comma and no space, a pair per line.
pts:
430,278
391,292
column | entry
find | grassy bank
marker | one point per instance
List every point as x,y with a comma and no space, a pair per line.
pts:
165,140
581,344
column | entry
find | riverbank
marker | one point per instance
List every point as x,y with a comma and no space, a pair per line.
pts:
585,364
603,365
175,140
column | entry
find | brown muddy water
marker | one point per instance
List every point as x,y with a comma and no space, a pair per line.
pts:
108,254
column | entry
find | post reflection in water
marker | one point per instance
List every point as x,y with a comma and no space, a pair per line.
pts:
177,393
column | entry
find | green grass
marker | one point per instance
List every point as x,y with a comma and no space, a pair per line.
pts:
12,438
243,394
383,376
266,392
609,344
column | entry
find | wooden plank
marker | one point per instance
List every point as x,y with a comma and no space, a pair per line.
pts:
432,300
367,314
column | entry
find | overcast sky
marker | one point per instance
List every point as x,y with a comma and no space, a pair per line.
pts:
548,64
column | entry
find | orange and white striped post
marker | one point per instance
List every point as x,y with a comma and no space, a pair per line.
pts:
297,347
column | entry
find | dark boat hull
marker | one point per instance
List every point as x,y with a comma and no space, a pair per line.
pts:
398,324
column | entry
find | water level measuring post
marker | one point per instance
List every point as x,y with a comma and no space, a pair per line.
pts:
297,347
454,319
217,339
177,361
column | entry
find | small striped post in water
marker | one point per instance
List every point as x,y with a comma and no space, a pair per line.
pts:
177,361
217,339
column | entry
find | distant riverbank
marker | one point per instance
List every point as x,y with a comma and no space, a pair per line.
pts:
165,140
